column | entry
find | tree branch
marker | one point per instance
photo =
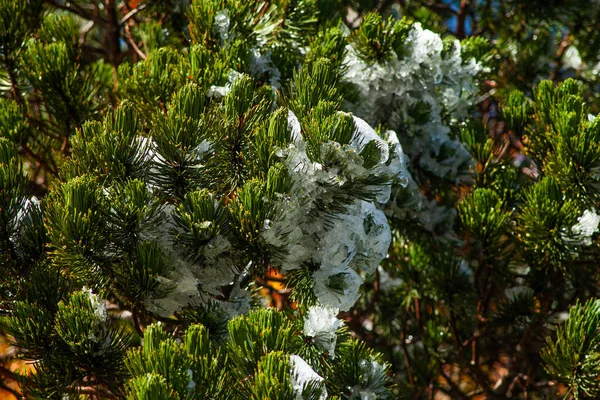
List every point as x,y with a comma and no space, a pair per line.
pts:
75,9
461,18
132,13
134,46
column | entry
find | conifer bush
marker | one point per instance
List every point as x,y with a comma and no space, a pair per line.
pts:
298,199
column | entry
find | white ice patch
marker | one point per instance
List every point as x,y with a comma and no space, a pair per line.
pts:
193,284
337,287
386,282
99,333
320,323
261,63
221,26
222,91
343,244
98,307
191,383
373,382
586,226
302,375
572,58
515,291
410,94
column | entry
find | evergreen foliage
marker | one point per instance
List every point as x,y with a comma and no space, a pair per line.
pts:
232,199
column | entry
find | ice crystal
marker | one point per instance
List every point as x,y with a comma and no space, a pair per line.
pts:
221,26
303,375
373,385
410,94
586,226
320,324
99,332
343,242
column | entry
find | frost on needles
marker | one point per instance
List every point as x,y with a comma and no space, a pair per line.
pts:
243,154
420,87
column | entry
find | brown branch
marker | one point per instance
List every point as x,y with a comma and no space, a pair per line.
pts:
136,322
113,37
8,373
12,391
134,46
461,17
422,337
132,13
84,31
407,361
453,386
91,391
14,87
31,154
75,9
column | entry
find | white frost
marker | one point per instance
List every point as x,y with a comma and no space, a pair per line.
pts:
221,26
410,93
302,374
99,332
191,383
346,242
586,226
320,324
373,382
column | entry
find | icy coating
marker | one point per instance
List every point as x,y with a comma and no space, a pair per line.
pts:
419,95
100,331
195,284
373,382
318,226
302,375
320,324
341,246
586,226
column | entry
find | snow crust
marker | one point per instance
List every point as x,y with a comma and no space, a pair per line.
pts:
343,244
439,84
586,226
302,375
320,324
372,386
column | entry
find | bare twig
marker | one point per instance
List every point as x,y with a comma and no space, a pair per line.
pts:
132,13
134,46
407,361
453,386
84,31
